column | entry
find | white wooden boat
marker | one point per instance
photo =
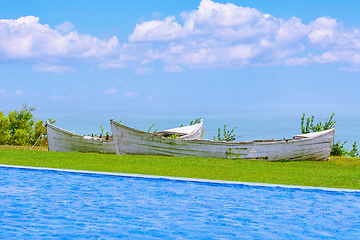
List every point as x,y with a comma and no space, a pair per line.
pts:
311,146
60,140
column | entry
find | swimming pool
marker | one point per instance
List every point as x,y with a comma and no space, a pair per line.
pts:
59,204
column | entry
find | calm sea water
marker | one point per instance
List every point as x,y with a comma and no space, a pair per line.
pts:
247,128
50,204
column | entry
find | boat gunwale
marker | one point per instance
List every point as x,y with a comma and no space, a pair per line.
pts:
77,135
301,137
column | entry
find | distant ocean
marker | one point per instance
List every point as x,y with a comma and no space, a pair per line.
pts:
247,128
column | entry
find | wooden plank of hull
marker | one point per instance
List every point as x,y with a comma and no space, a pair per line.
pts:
60,140
313,146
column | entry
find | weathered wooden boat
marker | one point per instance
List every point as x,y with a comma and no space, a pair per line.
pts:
60,140
312,146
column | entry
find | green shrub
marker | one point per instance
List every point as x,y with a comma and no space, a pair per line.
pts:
354,152
195,121
4,129
338,149
318,127
226,136
40,131
20,127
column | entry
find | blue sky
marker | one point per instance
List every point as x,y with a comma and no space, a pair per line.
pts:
180,58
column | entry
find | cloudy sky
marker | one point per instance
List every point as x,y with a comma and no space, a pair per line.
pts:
180,57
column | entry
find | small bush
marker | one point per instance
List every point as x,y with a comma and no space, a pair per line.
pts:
318,127
20,128
195,121
338,149
226,136
4,129
354,152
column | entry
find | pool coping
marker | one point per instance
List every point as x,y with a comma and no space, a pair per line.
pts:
184,179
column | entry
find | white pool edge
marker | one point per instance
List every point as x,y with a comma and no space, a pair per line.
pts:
183,179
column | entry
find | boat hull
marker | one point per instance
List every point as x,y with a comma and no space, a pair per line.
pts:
60,140
313,146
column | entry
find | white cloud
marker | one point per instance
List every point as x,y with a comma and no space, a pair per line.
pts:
326,57
44,67
350,69
226,35
111,91
146,61
176,49
344,56
173,69
112,64
214,35
65,27
143,70
291,30
324,23
321,35
131,94
11,94
298,61
217,14
26,38
156,30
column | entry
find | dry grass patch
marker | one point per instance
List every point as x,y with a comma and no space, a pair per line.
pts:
11,147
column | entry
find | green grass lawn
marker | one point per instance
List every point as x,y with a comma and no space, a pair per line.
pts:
335,173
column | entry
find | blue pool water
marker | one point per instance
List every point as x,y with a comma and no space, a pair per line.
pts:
60,205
